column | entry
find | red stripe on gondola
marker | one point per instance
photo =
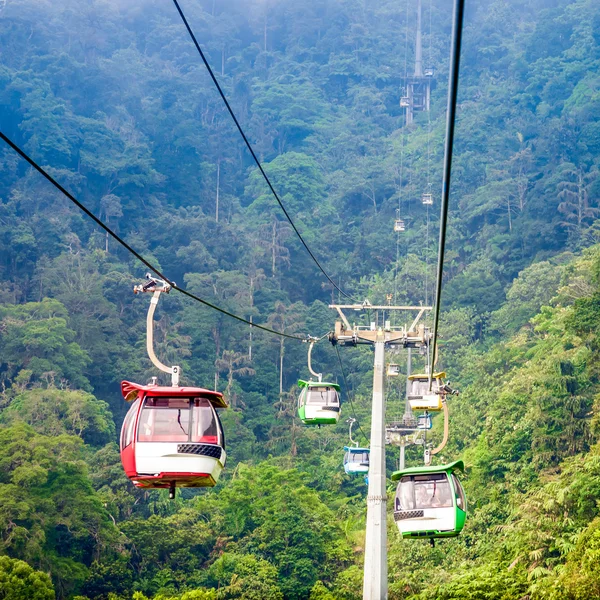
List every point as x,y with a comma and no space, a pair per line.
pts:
181,475
215,398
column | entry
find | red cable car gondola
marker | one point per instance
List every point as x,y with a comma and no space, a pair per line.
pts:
172,436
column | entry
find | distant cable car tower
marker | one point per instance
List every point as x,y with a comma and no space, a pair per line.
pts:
419,85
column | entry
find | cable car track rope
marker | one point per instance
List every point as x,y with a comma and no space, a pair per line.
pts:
123,243
457,26
251,150
350,396
401,172
429,184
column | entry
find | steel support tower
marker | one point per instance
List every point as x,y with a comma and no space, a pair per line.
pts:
419,85
379,333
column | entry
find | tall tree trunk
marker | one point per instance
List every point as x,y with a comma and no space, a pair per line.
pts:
218,189
580,199
265,32
281,352
250,344
230,384
273,240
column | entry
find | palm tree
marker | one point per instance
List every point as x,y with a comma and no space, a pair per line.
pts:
233,363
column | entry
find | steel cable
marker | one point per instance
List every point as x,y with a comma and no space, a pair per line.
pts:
457,26
123,243
251,150
350,395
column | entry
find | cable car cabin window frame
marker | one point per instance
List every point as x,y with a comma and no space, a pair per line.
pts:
318,392
185,430
128,428
420,389
364,460
432,480
459,492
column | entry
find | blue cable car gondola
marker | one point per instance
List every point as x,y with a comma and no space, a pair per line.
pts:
356,460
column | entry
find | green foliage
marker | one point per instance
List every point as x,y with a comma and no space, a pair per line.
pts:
36,337
54,412
244,576
133,131
532,289
492,581
18,581
50,515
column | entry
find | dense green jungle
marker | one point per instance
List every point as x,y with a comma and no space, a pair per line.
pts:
111,97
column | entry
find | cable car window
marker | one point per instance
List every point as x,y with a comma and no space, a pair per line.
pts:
301,398
127,431
204,428
461,500
165,420
360,457
322,396
424,491
419,388
433,491
405,495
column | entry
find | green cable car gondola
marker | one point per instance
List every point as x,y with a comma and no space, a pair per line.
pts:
319,402
430,501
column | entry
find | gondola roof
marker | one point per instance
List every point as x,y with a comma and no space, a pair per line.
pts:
310,384
215,398
457,465
440,375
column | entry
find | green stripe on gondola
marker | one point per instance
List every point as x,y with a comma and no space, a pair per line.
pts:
309,384
457,465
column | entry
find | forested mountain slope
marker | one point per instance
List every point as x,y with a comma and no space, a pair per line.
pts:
111,97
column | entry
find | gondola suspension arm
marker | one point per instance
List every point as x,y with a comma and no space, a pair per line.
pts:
156,287
319,376
444,441
351,422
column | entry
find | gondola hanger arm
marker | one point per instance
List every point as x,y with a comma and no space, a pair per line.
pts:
444,441
156,287
311,343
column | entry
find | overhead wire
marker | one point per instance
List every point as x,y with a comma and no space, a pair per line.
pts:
253,153
137,255
401,174
429,184
457,26
350,395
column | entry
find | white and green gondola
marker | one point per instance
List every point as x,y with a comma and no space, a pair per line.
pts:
430,501
319,402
